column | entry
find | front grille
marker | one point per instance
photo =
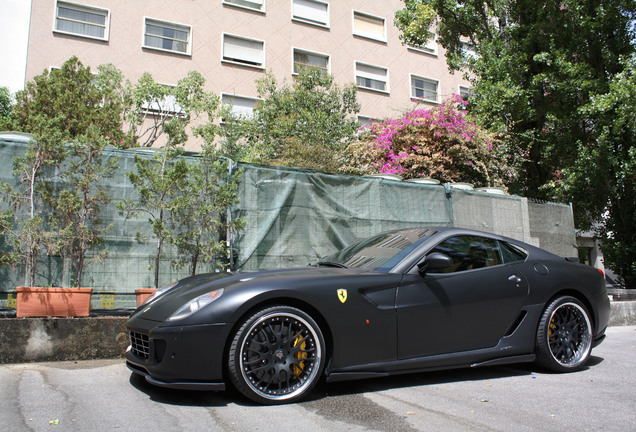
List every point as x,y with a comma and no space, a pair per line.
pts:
140,345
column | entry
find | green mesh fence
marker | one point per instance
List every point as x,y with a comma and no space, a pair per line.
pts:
293,217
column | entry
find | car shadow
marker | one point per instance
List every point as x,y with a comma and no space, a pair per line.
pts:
179,397
325,390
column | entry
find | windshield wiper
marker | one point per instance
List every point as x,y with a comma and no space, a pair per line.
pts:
331,264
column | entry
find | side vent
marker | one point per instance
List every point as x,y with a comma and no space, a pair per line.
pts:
515,325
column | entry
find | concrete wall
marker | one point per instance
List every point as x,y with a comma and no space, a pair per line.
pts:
54,339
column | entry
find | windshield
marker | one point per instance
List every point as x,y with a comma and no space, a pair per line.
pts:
381,252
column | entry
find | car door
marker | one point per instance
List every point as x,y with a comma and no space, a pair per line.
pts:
469,305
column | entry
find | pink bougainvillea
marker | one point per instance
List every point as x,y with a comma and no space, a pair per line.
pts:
439,142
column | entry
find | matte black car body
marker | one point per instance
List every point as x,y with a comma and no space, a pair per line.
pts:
397,319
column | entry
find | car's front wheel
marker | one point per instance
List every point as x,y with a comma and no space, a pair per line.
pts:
277,355
564,336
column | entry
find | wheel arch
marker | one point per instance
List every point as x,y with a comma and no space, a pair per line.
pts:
577,295
282,301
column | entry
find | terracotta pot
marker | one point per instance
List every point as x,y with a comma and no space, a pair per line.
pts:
59,302
143,294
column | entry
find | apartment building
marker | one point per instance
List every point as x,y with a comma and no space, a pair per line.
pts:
234,42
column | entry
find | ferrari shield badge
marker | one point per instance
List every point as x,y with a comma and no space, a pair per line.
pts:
342,295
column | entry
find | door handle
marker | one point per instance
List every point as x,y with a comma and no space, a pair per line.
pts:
514,278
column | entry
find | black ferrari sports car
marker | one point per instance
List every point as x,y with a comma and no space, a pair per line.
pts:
402,301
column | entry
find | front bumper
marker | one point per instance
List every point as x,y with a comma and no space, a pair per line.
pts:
186,357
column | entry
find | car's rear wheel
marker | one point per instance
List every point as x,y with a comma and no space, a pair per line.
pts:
277,355
564,336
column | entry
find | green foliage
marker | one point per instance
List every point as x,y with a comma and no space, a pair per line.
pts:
542,72
439,143
602,182
5,102
77,208
159,181
154,109
306,124
166,191
69,100
533,64
6,106
64,105
201,212
23,224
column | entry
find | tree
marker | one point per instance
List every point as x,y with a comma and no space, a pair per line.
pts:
440,143
308,123
6,106
77,208
69,100
602,182
56,107
162,180
539,71
532,65
154,109
159,181
201,211
5,101
24,222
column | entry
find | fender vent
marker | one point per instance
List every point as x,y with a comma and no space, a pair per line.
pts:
515,325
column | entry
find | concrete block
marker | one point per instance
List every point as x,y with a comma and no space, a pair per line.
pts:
55,339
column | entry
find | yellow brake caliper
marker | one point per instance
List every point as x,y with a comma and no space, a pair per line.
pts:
551,328
299,355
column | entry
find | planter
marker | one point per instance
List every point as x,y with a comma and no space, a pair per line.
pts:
59,302
143,293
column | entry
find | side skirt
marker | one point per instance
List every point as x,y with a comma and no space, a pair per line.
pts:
336,376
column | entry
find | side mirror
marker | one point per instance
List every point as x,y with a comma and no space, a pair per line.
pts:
434,261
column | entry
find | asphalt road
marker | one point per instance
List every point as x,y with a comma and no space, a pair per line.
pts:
104,396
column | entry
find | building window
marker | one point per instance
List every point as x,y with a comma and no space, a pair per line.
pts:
163,106
240,106
258,5
242,50
372,77
366,121
369,26
430,47
468,51
308,58
168,106
424,89
464,92
167,36
81,20
311,11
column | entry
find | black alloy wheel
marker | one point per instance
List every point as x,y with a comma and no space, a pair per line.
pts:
564,336
277,355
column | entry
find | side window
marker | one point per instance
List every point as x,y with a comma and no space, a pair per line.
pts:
512,253
469,253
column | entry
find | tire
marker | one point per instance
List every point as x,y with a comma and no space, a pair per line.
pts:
277,355
564,336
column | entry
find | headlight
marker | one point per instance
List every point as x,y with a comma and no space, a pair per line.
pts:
195,304
158,293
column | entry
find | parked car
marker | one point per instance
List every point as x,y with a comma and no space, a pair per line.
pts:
400,302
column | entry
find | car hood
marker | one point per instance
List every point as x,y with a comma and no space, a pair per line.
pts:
187,289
